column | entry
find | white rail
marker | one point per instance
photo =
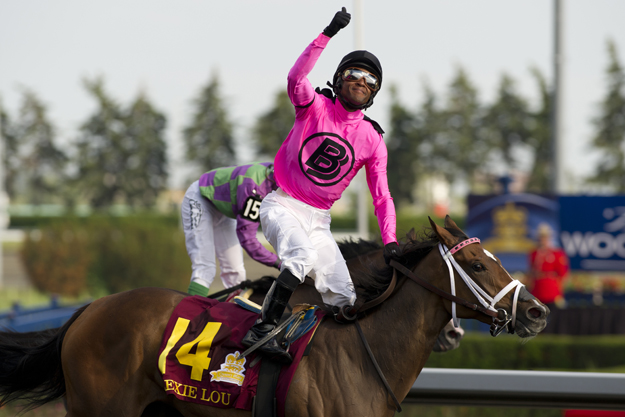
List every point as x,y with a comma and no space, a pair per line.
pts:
539,389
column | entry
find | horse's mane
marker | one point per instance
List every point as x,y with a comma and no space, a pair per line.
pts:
354,248
375,278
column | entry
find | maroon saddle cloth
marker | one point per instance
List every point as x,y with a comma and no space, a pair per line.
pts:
199,355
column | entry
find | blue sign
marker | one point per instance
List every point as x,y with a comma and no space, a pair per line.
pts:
506,224
593,232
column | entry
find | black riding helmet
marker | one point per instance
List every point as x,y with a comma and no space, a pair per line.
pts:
358,59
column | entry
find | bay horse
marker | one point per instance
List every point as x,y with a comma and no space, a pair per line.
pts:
104,360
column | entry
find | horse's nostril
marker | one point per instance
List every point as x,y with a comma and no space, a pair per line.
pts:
535,312
453,334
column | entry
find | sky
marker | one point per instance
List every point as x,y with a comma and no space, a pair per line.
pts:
170,50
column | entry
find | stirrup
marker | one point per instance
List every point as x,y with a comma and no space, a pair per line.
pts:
272,334
273,351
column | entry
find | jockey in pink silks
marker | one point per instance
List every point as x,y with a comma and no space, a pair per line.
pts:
330,141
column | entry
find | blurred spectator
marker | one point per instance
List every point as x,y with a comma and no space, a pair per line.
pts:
548,268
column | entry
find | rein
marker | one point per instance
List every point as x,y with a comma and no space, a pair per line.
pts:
499,316
350,313
425,284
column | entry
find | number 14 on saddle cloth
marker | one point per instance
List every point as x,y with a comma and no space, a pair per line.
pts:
200,357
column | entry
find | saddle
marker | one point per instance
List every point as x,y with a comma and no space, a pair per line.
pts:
201,361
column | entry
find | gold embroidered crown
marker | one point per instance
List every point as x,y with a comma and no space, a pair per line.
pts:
233,361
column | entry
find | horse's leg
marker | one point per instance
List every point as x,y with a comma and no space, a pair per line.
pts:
110,353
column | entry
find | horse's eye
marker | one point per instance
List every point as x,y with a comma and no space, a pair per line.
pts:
478,267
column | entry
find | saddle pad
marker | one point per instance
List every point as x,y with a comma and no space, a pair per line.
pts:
199,355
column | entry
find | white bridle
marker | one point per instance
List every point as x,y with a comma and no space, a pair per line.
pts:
484,298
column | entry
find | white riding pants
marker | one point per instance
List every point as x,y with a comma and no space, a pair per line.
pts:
208,232
301,236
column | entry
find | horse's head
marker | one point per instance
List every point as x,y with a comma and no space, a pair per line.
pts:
480,278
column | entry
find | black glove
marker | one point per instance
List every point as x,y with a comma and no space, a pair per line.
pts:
340,20
392,251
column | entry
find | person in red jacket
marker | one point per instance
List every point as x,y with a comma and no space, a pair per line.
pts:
548,269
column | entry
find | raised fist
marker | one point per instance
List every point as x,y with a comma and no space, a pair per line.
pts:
340,20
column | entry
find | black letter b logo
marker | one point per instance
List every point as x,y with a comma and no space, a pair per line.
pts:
326,158
325,163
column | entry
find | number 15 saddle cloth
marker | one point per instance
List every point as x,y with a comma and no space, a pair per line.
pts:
200,361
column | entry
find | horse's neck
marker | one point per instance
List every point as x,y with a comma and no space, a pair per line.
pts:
402,332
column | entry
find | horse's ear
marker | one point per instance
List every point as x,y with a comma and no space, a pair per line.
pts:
411,235
443,235
450,224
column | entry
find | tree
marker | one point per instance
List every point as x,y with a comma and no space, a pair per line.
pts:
9,148
272,127
146,172
36,164
208,138
507,122
429,124
461,149
609,138
121,152
541,171
102,149
402,156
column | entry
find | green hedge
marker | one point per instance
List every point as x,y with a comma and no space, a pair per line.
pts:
69,255
30,222
106,255
405,222
57,258
544,352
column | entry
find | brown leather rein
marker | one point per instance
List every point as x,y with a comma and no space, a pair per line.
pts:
360,307
350,313
425,284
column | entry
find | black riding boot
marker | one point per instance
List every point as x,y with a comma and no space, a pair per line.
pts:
274,304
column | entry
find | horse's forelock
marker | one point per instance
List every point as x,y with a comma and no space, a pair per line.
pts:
428,237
